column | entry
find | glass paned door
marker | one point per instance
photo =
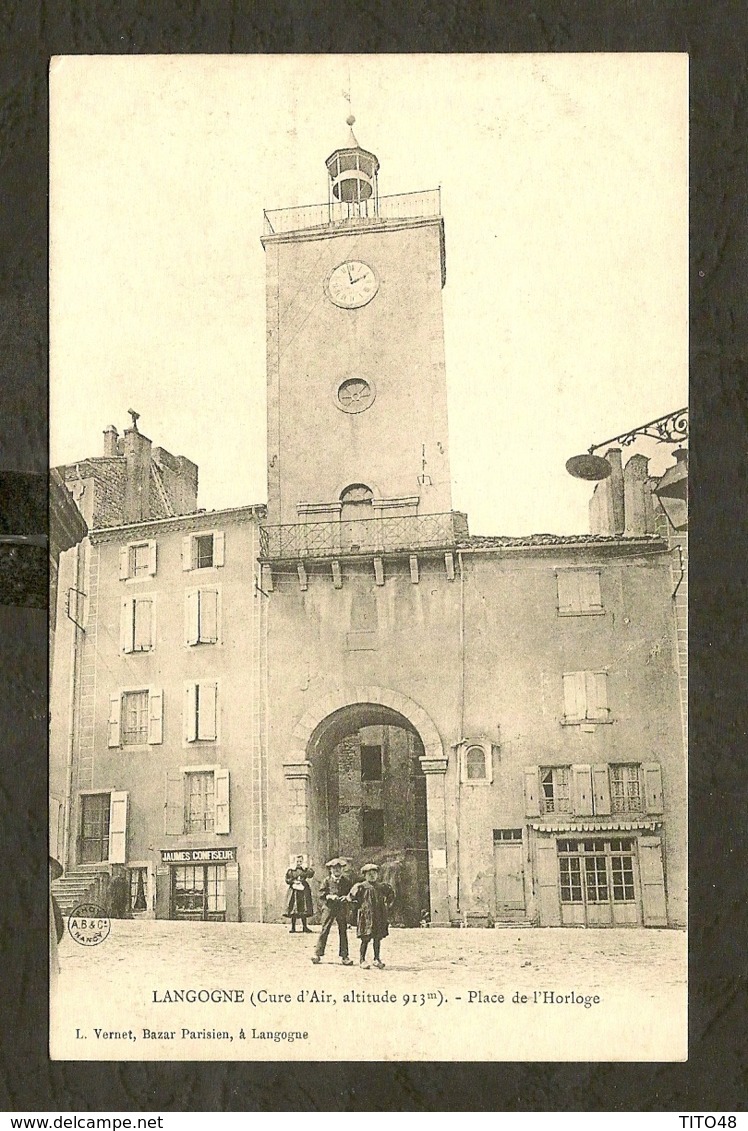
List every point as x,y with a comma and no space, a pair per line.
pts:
199,892
94,840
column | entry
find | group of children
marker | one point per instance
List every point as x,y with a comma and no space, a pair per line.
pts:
371,898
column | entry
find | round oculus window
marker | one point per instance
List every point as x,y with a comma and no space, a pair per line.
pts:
354,394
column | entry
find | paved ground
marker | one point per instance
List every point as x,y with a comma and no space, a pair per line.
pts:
447,984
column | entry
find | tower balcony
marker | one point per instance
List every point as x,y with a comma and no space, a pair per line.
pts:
425,204
299,541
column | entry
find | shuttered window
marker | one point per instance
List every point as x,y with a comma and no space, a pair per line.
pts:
578,592
586,696
201,711
136,718
201,616
137,559
137,624
625,789
204,550
197,801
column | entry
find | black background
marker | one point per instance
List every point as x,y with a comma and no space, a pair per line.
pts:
714,35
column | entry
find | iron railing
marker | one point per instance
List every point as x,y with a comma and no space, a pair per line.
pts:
360,536
407,205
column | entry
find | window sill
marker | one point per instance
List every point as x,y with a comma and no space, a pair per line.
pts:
585,722
476,781
581,613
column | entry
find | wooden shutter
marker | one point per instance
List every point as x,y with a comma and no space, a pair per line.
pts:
155,716
142,637
117,828
532,800
574,696
601,789
223,817
219,539
126,625
191,617
124,563
546,875
654,903
581,790
207,710
115,710
568,591
209,615
187,544
174,807
652,787
597,695
152,556
190,712
590,599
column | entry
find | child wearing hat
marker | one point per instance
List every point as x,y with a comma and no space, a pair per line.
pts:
373,900
333,892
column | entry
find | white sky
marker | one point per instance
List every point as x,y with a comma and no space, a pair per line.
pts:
564,195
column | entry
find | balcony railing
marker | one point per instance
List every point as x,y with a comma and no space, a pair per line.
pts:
361,536
407,205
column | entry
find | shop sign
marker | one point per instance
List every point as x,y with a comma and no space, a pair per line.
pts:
197,855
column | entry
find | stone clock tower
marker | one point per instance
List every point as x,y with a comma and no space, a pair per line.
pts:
357,407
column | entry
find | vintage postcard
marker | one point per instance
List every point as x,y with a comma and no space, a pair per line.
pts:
368,691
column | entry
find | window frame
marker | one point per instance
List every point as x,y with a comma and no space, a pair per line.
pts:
371,843
486,749
154,714
128,623
193,620
587,719
127,561
190,551
543,800
579,605
191,712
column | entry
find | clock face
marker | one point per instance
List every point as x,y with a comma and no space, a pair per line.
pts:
352,284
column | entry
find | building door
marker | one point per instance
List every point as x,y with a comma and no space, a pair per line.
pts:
199,892
94,838
508,856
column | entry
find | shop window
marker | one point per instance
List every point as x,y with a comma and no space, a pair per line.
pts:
372,828
371,763
201,711
137,559
625,789
578,592
136,717
201,616
586,697
197,801
199,892
203,551
555,792
138,889
594,871
137,624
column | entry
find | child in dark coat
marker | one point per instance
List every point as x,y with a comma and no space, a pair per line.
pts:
299,903
373,900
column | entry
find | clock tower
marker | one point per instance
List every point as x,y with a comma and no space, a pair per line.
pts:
357,403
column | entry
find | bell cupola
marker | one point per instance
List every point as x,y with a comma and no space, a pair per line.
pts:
353,188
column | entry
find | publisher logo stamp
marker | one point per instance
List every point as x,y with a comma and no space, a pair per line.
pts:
89,924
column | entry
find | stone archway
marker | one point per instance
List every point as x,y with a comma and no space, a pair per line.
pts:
385,706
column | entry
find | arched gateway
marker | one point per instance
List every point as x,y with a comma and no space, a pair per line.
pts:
363,780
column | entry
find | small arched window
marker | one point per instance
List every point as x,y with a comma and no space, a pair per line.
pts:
475,763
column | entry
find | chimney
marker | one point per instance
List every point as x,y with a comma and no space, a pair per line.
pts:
607,503
111,435
638,496
138,484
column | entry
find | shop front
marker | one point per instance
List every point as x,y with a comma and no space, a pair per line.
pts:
592,876
198,884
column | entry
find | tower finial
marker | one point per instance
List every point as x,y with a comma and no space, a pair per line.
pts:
350,120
